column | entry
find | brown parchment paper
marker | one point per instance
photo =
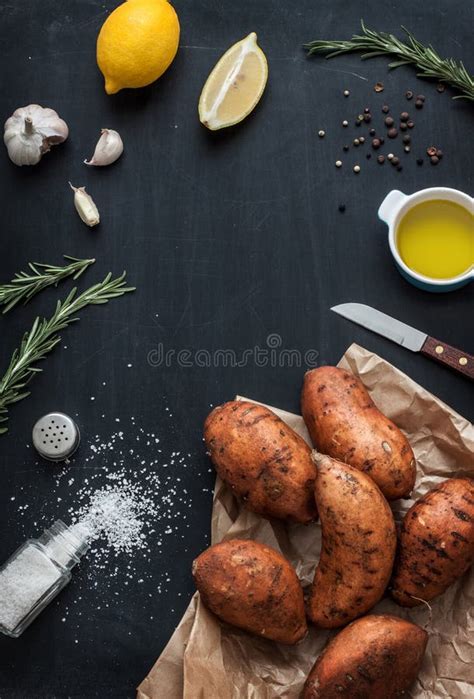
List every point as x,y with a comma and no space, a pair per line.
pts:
206,659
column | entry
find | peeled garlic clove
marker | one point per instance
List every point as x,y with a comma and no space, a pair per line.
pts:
109,148
31,131
85,206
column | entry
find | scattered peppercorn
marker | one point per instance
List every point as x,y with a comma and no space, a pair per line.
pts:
409,94
367,110
382,140
439,153
407,138
419,161
432,150
434,160
368,156
410,124
346,93
345,122
421,98
395,160
381,159
392,133
440,87
361,139
418,104
399,167
358,123
367,118
389,121
390,156
345,148
338,163
404,116
321,133
378,87
357,169
385,109
372,132
360,117
342,208
356,142
403,126
376,143
407,149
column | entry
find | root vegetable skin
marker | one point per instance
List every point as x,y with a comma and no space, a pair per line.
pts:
358,544
251,586
263,461
436,542
344,423
377,657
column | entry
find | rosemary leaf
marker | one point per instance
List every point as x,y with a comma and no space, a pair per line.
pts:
26,285
43,337
424,58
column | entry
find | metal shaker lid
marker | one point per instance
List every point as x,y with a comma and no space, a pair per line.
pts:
56,437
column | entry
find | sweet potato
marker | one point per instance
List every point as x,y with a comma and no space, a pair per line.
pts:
436,543
377,657
263,460
253,587
358,544
344,423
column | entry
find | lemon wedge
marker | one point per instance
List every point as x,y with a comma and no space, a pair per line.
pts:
234,86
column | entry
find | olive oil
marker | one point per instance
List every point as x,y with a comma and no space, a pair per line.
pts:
436,239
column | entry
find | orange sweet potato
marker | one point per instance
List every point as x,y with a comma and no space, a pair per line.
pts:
436,542
263,460
358,544
377,657
344,422
251,586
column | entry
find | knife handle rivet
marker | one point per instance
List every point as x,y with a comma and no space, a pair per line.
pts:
439,349
463,361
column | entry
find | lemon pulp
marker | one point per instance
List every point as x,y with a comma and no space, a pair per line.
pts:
436,239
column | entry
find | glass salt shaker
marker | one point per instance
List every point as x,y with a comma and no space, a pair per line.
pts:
36,573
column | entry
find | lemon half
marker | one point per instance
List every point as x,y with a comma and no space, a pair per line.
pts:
235,85
137,43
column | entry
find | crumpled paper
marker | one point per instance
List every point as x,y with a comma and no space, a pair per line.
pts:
206,659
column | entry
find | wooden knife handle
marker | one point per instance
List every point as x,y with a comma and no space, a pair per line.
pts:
449,356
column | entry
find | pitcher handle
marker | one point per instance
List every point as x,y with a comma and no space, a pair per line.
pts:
390,206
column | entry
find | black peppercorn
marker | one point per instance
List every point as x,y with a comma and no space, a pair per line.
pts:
372,132
399,167
382,140
403,126
385,109
392,133
381,159
367,110
357,123
440,87
421,98
367,118
395,160
404,116
434,160
406,138
419,161
439,153
418,104
346,148
376,143
410,124
342,208
389,121
368,156
409,94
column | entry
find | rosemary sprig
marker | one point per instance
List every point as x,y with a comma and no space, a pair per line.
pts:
43,337
26,285
425,58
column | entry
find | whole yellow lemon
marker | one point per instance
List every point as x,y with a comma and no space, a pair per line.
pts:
137,43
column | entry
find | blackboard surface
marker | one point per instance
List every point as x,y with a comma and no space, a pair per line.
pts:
234,240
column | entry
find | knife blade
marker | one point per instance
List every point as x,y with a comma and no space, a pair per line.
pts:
407,337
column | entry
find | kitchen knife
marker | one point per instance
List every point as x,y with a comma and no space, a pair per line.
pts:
408,337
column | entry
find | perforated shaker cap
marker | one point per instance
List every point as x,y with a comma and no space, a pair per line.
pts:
56,437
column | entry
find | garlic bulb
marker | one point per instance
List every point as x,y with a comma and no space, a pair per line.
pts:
109,148
31,131
85,206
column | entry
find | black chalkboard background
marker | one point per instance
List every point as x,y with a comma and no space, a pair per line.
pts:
229,238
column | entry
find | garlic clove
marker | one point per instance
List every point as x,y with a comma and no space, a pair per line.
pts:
31,131
109,148
85,206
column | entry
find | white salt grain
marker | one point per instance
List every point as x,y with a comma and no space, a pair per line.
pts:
22,583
